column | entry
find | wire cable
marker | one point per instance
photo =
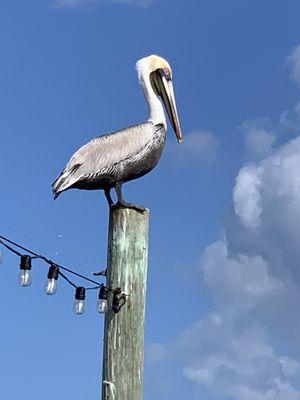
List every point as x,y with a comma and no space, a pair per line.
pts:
67,279
10,248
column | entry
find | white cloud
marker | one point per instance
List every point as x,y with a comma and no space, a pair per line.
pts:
297,109
154,352
246,196
259,140
280,391
198,146
247,277
248,348
289,121
289,367
294,62
70,3
78,3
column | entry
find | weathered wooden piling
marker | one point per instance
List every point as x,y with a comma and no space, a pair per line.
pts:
123,352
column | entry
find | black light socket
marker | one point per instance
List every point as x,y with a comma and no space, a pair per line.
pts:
103,293
80,293
53,272
25,263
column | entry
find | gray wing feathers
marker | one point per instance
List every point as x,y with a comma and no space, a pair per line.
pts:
101,154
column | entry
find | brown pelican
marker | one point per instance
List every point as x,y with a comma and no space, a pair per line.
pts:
108,161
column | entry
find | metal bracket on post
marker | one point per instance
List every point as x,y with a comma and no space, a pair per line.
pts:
118,301
101,273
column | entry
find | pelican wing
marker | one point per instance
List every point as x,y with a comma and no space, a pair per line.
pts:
101,155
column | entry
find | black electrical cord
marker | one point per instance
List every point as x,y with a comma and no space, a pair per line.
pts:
67,279
94,287
10,249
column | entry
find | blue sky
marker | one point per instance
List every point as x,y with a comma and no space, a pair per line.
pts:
223,265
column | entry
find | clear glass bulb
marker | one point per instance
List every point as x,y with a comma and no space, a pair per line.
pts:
102,306
25,277
51,286
79,307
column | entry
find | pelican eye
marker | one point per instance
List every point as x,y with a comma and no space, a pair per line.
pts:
166,73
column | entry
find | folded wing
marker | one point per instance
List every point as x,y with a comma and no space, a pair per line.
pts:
102,155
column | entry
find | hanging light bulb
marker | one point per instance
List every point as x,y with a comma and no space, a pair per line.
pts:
25,271
51,283
79,306
102,304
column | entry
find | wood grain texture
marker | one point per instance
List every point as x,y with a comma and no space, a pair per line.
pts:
123,353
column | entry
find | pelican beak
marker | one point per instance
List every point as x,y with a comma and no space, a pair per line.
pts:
164,88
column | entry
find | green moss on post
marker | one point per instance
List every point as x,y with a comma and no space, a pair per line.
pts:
123,353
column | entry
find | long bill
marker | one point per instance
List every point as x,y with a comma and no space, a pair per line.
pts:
168,98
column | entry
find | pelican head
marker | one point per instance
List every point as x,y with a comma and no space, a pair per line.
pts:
155,76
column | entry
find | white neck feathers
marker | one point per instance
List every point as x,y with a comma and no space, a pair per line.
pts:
156,110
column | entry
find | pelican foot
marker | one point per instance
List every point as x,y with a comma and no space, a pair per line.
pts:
124,204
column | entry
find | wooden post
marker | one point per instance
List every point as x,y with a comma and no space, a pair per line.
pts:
123,353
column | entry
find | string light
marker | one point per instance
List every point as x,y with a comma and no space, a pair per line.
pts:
55,271
51,282
102,304
25,271
79,306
